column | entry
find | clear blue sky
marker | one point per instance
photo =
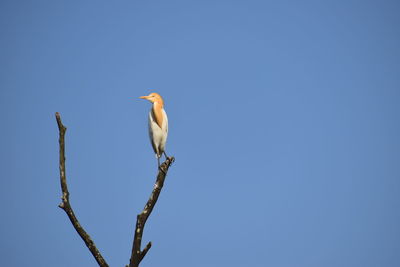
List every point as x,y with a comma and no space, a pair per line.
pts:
284,121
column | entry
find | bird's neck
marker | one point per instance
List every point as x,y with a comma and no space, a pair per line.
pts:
157,112
158,105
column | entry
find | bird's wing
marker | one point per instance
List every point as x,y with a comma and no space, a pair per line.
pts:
166,121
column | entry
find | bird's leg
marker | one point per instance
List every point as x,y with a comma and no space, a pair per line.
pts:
159,166
165,154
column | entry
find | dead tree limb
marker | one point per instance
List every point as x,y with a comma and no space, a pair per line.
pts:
138,254
66,206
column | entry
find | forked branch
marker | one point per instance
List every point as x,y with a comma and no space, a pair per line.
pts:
66,206
137,254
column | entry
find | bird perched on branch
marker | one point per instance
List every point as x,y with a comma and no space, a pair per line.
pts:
158,125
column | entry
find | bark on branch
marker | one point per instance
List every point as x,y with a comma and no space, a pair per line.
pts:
66,206
138,254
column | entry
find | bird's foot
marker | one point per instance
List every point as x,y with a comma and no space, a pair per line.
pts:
171,160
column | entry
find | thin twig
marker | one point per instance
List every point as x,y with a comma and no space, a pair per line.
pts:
66,206
138,254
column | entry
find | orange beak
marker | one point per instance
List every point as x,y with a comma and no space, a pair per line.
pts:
144,97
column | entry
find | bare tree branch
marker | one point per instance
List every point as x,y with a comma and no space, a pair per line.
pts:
144,251
66,206
138,255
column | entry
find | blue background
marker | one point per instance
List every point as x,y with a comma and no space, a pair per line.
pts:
284,121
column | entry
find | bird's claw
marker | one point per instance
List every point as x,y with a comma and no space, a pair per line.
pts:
171,160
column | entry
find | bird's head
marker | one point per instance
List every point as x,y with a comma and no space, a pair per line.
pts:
153,98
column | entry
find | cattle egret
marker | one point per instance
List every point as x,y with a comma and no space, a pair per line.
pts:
158,125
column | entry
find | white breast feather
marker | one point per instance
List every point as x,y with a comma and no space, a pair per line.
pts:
158,136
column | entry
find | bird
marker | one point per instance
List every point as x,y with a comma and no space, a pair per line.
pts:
158,125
